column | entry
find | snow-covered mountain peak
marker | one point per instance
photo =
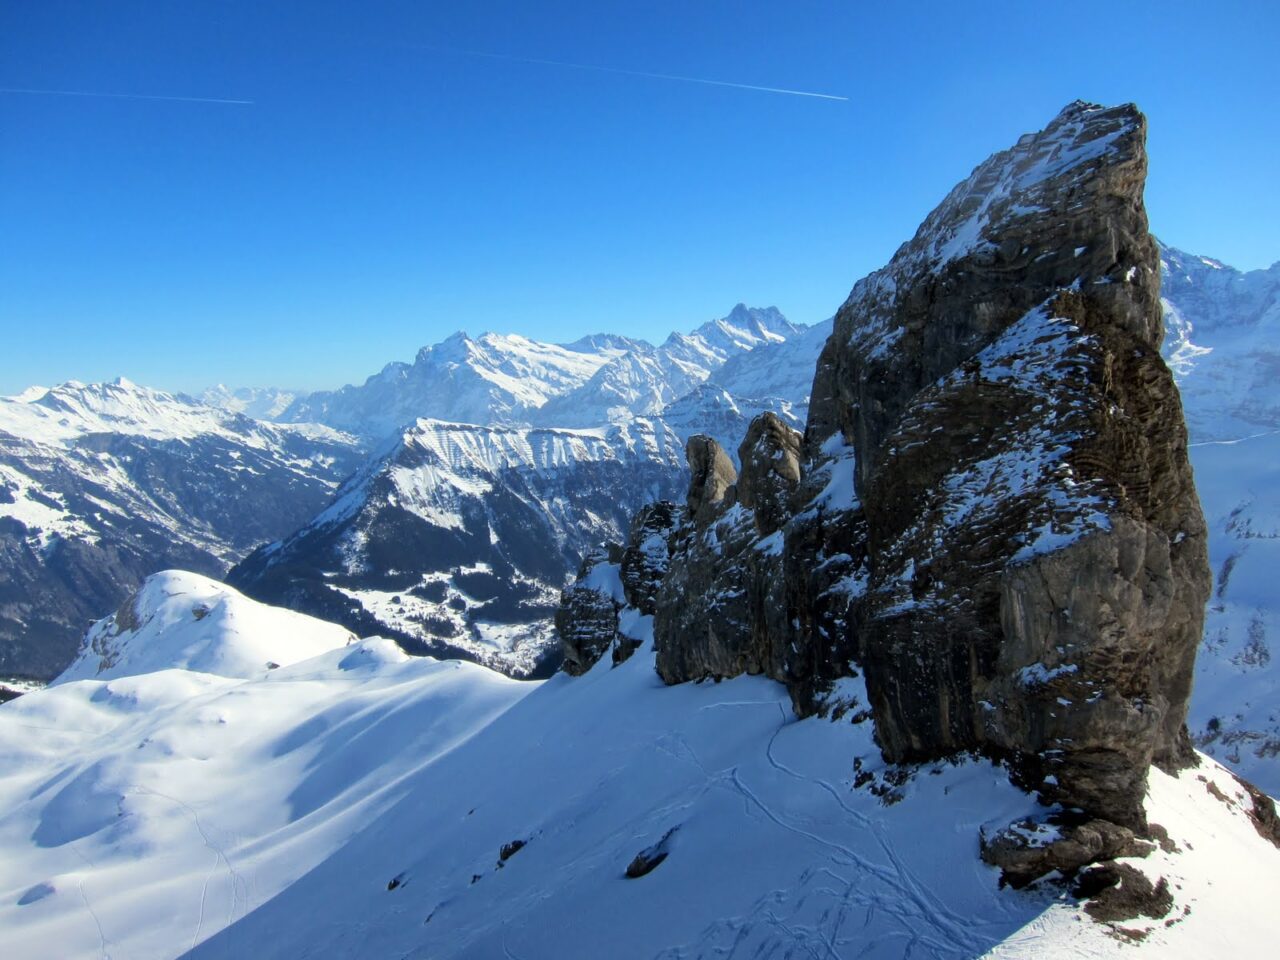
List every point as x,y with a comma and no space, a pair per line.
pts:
260,403
180,620
1025,181
74,409
1222,330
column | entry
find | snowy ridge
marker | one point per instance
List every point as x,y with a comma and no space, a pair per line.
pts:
74,410
512,380
493,379
180,620
645,382
436,461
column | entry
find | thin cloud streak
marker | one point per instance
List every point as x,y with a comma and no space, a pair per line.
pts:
636,73
123,96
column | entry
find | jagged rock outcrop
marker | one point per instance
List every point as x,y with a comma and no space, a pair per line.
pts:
587,617
770,457
721,610
645,559
714,476
992,512
1036,567
610,606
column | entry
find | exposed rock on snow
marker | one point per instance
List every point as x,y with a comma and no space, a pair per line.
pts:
612,603
712,476
995,513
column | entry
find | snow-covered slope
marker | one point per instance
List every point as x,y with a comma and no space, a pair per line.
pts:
456,539
1222,340
140,815
103,484
362,804
185,621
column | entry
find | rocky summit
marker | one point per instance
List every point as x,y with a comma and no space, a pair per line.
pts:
991,516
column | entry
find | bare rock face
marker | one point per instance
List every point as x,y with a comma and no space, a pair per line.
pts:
991,513
770,458
1035,569
721,610
713,476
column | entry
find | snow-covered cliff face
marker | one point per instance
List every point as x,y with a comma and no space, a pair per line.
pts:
1222,339
103,484
456,539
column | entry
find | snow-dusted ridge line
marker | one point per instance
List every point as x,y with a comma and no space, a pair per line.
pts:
180,620
512,379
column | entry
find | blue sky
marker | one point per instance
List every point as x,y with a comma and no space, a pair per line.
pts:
388,185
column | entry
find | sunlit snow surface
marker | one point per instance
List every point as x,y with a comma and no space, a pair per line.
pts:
140,815
184,620
145,814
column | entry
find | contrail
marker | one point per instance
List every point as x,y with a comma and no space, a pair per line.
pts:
121,96
635,73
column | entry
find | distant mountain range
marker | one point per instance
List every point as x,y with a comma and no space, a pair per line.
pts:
445,501
466,498
103,484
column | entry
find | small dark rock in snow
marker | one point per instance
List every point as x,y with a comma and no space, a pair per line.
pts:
509,850
647,860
